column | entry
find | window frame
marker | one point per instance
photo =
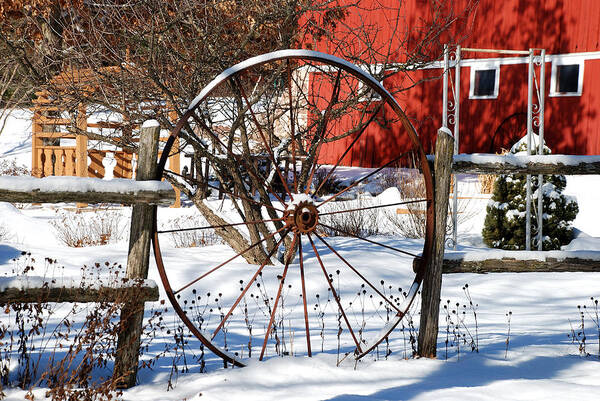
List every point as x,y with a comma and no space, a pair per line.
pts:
558,61
490,65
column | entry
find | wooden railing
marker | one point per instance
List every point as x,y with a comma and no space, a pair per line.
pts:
50,125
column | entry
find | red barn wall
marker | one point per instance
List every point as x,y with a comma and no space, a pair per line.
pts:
560,26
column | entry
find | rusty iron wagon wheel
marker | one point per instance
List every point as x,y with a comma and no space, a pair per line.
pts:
272,135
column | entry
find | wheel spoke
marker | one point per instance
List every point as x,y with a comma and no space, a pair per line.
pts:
372,173
217,226
232,194
358,273
250,282
335,296
292,127
230,259
369,240
264,140
306,325
362,130
373,207
281,282
314,169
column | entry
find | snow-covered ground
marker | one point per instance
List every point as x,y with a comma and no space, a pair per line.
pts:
535,360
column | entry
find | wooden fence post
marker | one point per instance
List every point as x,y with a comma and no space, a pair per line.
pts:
132,313
432,282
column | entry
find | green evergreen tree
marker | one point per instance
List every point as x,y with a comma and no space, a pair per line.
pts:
504,225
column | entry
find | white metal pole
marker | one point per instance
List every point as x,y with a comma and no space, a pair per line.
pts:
529,130
445,90
456,147
541,99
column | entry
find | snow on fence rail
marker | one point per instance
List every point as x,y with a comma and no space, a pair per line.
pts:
483,163
87,190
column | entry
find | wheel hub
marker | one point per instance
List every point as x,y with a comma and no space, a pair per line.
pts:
303,218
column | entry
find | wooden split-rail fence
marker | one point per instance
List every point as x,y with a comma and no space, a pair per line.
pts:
133,293
444,164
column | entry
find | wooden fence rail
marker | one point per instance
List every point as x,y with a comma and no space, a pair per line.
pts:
516,164
89,190
141,290
51,156
514,265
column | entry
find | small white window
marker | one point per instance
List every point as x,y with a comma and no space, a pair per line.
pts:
366,93
567,77
485,79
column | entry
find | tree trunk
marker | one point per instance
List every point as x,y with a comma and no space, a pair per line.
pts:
230,235
50,47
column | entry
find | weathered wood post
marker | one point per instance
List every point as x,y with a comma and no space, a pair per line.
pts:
132,314
432,282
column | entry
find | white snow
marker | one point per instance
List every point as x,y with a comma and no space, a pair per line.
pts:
299,198
150,124
522,160
80,184
15,137
27,281
446,130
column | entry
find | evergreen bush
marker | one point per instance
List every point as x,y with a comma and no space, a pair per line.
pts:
504,225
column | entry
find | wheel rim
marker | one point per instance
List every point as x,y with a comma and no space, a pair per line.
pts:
335,99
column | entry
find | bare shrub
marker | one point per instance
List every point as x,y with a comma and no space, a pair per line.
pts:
10,167
73,358
486,183
409,220
332,185
82,228
69,349
387,178
3,233
190,237
360,223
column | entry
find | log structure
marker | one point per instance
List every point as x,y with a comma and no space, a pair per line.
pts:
483,163
43,294
142,224
163,196
514,164
512,265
